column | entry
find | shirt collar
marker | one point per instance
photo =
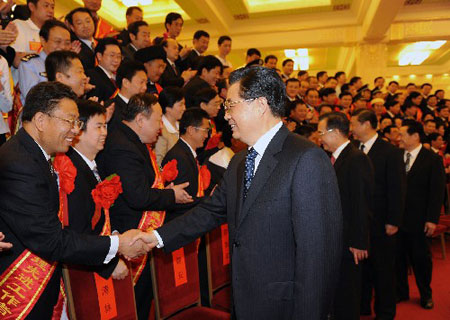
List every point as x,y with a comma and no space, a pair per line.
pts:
92,165
415,152
87,42
32,25
109,74
125,99
369,143
133,46
197,52
339,150
46,155
261,145
169,126
192,150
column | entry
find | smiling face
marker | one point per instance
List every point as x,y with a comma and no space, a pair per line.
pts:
212,107
83,25
110,59
74,77
94,133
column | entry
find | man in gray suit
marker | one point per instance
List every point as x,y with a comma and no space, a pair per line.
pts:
280,199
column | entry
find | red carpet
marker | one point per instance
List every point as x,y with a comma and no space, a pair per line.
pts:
411,310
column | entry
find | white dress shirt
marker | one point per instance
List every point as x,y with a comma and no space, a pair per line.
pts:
109,74
339,150
124,98
169,126
114,246
369,143
192,150
414,153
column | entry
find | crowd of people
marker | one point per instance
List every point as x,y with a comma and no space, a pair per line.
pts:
123,104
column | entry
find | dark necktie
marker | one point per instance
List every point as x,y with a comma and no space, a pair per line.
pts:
249,169
362,147
333,160
96,174
408,162
52,169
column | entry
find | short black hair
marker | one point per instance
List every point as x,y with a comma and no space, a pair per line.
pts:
413,127
59,61
192,117
102,43
325,105
391,103
292,105
430,120
49,25
441,105
374,81
410,84
393,82
252,51
139,103
169,96
320,74
331,78
345,93
130,10
431,96
209,62
354,80
325,92
426,84
339,73
433,136
127,70
309,90
222,39
305,130
69,16
345,88
292,80
363,115
285,62
204,95
388,129
263,82
133,28
45,97
200,33
270,56
87,109
171,17
437,91
301,72
337,120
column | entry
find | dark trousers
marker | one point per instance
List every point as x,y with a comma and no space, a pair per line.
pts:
143,292
2,137
415,248
47,301
379,274
348,293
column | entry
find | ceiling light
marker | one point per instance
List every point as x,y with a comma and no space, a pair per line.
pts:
289,53
412,76
429,76
416,53
130,3
396,77
300,57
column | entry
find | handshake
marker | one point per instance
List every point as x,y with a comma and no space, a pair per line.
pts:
135,243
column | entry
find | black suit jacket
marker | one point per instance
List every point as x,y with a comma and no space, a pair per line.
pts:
87,55
187,172
191,61
104,86
82,207
29,204
286,237
116,119
128,52
356,185
127,156
191,88
124,37
390,185
425,191
170,78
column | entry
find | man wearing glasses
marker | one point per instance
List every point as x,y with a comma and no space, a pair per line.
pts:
280,199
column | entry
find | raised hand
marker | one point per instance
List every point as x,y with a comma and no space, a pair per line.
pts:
4,245
132,249
75,46
121,271
181,196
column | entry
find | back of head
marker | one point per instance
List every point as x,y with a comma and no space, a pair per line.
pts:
259,82
337,121
169,96
139,103
44,97
192,117
59,61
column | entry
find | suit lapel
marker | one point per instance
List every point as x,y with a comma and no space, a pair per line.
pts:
265,169
240,186
417,163
342,156
82,167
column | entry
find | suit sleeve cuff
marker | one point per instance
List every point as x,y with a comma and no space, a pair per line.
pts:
160,241
114,247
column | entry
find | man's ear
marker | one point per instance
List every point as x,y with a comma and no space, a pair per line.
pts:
39,120
59,76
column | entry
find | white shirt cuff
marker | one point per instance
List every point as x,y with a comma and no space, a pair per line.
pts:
112,249
160,241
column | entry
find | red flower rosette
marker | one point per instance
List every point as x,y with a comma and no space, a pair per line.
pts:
205,175
104,195
66,175
213,141
170,171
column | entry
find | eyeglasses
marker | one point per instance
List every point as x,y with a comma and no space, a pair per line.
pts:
321,133
227,104
208,130
74,123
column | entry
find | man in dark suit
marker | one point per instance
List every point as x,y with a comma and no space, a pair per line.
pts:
281,201
126,154
131,79
140,38
133,14
424,200
356,183
208,73
200,43
172,75
389,197
82,25
103,76
194,129
153,59
29,203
